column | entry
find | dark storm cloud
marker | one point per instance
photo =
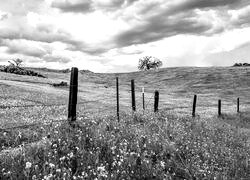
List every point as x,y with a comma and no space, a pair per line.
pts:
21,47
43,34
177,18
86,6
114,5
159,27
200,4
87,48
29,52
34,35
67,6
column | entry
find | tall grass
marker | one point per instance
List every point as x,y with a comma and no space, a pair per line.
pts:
141,146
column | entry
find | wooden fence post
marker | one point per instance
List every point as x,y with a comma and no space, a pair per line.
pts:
156,103
133,94
117,98
143,99
238,105
194,105
73,94
219,107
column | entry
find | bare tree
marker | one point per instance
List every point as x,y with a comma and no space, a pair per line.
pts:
16,62
149,62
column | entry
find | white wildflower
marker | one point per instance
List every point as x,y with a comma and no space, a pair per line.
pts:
28,165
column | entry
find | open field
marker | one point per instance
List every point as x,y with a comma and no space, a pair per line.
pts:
176,86
201,148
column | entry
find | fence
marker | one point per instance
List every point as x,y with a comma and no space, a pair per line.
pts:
72,103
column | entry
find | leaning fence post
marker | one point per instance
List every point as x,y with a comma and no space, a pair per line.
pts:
73,94
117,98
156,103
133,94
238,105
194,105
219,107
143,99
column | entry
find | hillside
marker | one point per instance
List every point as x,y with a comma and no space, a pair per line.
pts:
152,145
176,86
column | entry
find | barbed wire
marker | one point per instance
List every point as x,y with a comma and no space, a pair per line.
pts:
149,100
44,105
27,106
99,110
46,123
24,99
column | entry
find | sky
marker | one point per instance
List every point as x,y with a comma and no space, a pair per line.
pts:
112,35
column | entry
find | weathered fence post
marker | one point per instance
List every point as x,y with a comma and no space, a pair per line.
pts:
117,98
194,105
73,94
156,103
219,107
133,94
238,105
143,99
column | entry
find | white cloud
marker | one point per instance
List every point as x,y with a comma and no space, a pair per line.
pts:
111,35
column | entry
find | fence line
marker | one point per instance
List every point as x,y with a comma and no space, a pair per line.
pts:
33,124
25,99
44,105
73,102
27,106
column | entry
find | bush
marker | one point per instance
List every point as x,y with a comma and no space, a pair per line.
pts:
61,84
20,71
241,64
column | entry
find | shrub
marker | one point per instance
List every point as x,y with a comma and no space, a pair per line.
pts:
241,64
61,84
20,71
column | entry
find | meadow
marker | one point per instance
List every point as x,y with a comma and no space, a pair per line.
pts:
169,144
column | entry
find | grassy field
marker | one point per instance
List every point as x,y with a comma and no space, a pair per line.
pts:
167,145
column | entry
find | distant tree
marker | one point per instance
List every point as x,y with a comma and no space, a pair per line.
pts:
241,64
16,62
149,62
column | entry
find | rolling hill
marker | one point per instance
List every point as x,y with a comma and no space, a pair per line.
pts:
170,142
176,86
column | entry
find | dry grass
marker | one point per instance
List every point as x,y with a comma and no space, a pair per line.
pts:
96,97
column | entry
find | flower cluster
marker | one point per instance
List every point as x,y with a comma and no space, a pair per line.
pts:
148,146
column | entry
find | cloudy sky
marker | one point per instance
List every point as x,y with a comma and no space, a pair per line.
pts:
111,35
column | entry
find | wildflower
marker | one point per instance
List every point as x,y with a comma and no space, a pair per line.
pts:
71,154
102,171
28,165
162,163
62,158
54,146
51,165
